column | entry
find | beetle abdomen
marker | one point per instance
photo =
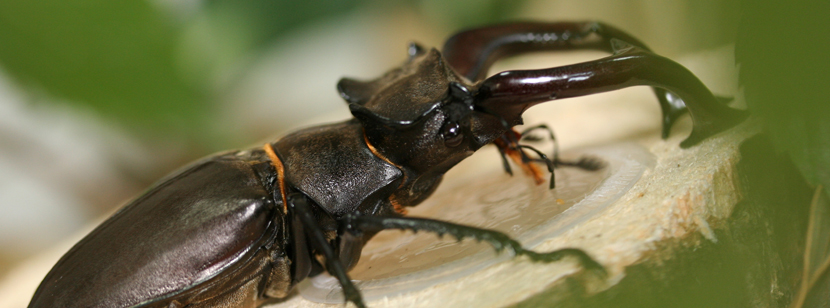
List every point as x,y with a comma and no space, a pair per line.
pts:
213,217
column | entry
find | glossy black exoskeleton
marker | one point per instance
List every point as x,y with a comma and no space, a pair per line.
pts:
240,228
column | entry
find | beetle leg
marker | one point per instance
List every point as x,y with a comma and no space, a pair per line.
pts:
510,93
585,163
472,52
526,136
544,158
499,241
299,204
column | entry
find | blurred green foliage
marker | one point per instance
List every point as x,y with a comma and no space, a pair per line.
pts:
782,48
115,56
224,34
469,13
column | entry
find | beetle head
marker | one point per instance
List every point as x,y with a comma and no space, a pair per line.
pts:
421,115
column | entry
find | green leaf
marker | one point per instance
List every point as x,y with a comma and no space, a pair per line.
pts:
782,49
116,57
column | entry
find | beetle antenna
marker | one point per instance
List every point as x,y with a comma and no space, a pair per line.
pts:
542,156
545,159
550,135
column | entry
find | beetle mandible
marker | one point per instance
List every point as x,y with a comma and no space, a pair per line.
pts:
240,228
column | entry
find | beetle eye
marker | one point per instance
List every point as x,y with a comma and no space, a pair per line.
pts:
452,134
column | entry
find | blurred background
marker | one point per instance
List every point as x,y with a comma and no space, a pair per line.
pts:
98,98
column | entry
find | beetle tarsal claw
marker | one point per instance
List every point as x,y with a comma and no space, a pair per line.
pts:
584,259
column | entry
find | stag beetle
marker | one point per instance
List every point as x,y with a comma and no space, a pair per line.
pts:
241,228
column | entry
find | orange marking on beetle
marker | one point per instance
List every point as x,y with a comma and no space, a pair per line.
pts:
398,207
376,153
277,163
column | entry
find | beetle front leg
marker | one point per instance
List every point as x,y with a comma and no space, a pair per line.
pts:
299,205
499,241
